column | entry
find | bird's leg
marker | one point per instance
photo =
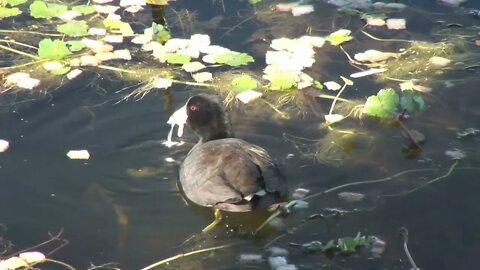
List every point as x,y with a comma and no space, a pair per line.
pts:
218,219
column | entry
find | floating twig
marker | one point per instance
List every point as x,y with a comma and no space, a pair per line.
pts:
404,233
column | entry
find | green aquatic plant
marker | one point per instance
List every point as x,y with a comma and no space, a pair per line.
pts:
176,58
43,10
234,59
74,28
243,83
52,49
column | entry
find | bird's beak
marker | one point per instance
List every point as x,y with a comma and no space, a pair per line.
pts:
179,117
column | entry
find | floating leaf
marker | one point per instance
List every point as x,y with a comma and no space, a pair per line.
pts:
173,58
333,118
54,50
201,77
78,154
243,83
234,59
13,3
61,70
74,28
4,145
281,79
84,9
383,104
40,9
411,101
332,85
157,2
374,56
317,85
75,45
248,96
338,37
9,12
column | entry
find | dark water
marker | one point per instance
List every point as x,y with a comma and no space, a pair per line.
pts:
111,216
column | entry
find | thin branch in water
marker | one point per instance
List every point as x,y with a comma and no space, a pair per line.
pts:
404,233
20,52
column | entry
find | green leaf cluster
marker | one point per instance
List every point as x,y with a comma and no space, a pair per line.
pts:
9,12
160,33
40,9
342,246
243,83
412,101
173,58
74,28
234,59
338,37
11,3
84,9
384,104
75,45
282,80
52,49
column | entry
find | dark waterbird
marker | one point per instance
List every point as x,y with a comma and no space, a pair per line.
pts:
224,172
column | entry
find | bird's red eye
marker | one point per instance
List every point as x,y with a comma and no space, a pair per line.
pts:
193,108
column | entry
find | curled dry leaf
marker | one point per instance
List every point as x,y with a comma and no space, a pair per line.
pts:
78,154
332,85
333,118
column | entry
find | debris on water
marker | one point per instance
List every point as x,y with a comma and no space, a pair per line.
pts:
163,83
396,24
276,261
277,251
468,132
32,257
374,56
201,77
351,196
300,193
21,80
455,154
378,246
78,154
4,145
367,72
332,85
439,61
311,247
250,258
74,73
277,223
451,3
248,96
169,159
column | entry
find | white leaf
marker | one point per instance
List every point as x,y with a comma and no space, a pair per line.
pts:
331,85
375,21
351,196
193,66
123,54
106,9
312,41
396,24
300,193
69,15
142,39
248,96
78,154
374,56
113,39
89,60
174,44
12,263
22,80
368,72
102,1
455,154
439,61
250,258
74,73
302,10
106,56
163,83
333,118
209,59
97,31
32,257
199,41
4,145
134,9
202,77
52,65
126,3
214,49
151,46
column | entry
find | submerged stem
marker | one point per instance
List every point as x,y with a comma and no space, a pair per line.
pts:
20,52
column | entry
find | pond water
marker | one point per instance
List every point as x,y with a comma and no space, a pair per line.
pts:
110,215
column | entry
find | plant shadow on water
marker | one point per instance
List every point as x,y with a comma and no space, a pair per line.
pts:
123,205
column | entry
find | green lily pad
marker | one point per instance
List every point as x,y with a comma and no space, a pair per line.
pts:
84,9
234,59
338,37
74,28
75,45
282,80
173,58
318,85
411,101
243,83
9,12
13,3
40,9
52,49
61,71
383,104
